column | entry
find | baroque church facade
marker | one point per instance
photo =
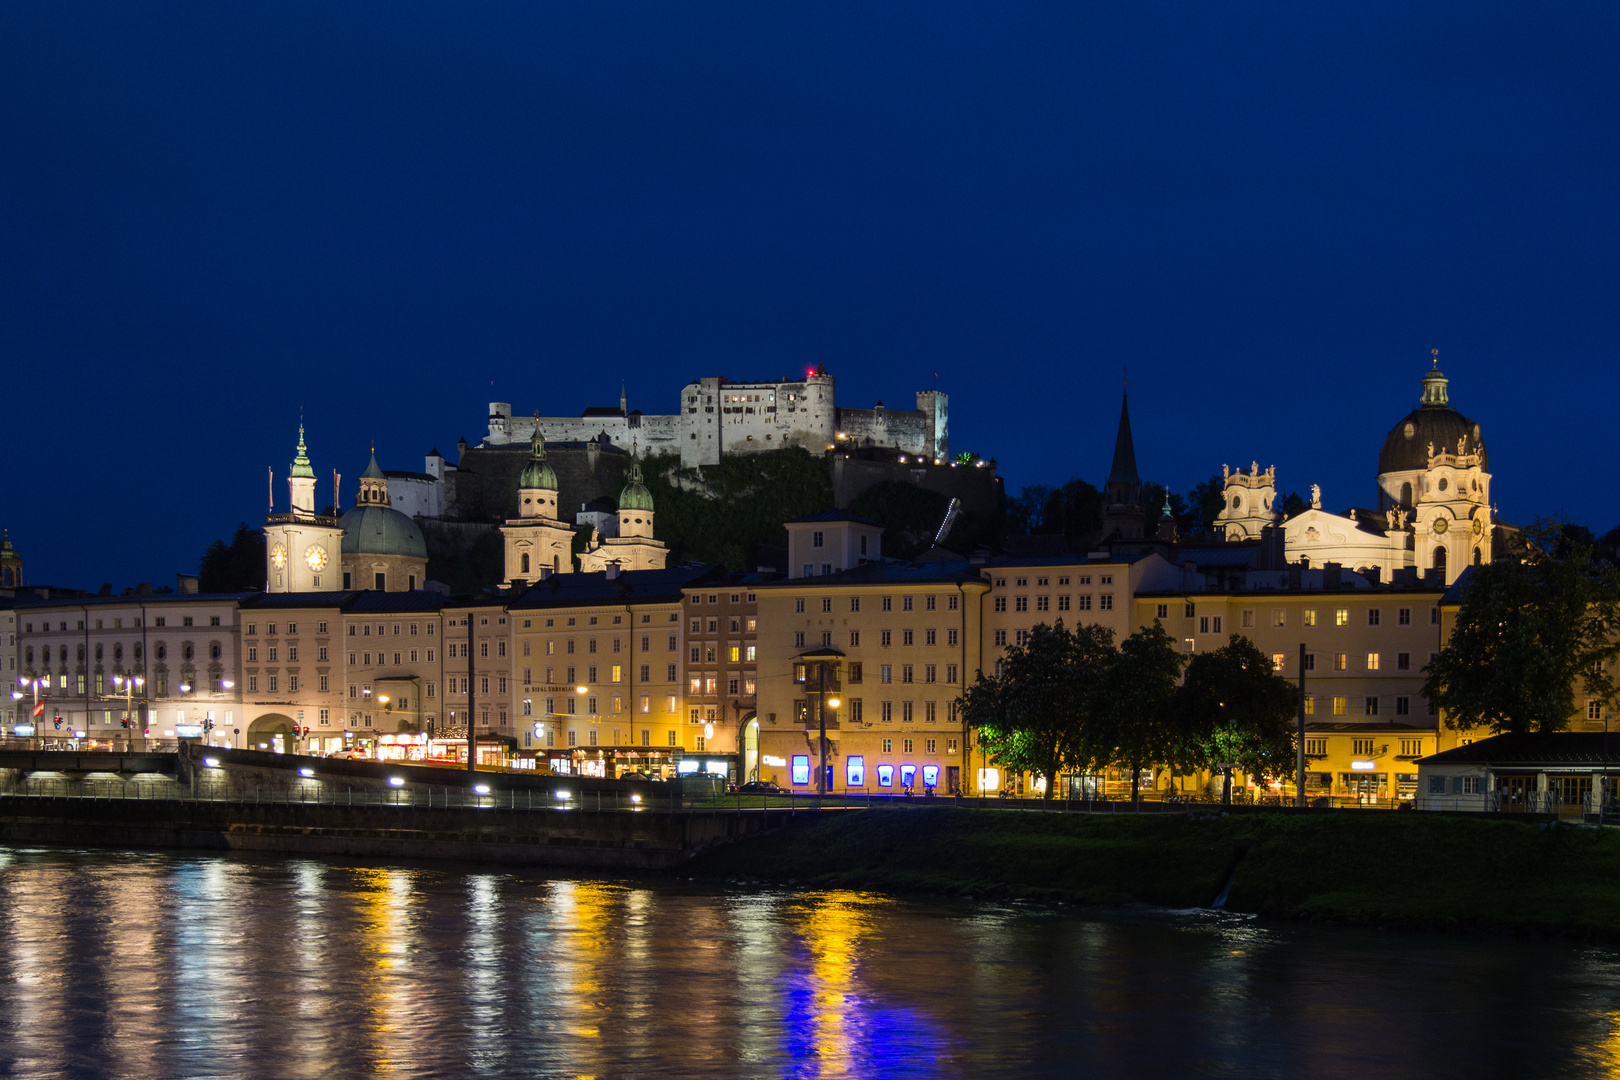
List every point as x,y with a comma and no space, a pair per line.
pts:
1433,516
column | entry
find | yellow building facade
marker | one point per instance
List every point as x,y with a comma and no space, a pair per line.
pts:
1366,719
881,652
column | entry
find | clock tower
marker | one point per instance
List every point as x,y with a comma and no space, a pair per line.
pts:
301,547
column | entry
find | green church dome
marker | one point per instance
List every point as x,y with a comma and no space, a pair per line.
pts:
635,495
537,474
381,530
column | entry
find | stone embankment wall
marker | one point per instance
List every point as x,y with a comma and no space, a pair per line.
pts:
250,801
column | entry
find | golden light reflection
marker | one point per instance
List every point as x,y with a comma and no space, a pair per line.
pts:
832,926
584,910
385,990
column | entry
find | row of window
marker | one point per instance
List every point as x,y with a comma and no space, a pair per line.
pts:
854,709
1318,747
855,773
117,623
736,598
1341,661
885,639
572,620
1370,706
1208,624
1044,582
356,629
885,603
570,646
615,674
1105,602
160,650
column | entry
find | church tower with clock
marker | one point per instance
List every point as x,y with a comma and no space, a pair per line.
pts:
301,547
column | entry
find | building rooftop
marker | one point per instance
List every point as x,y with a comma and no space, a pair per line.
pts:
833,515
628,587
889,573
1534,750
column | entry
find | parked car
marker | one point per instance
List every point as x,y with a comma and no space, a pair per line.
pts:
350,755
762,787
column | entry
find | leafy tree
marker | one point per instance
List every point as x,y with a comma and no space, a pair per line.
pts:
1133,721
722,512
1204,502
1026,511
1034,716
910,516
480,565
234,567
1233,706
1291,503
1529,630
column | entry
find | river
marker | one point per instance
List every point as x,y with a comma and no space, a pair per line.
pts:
145,964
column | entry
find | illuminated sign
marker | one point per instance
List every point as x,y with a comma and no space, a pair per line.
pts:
908,775
856,772
801,769
772,759
930,775
885,776
1364,766
716,768
989,779
687,766
23,729
188,731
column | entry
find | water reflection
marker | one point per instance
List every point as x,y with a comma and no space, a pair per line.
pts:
150,965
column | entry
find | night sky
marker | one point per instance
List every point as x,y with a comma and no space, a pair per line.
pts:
387,215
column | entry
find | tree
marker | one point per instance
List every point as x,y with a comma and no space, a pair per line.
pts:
1033,717
234,567
1529,629
1234,707
1132,716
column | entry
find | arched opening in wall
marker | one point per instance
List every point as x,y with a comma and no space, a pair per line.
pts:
1479,558
525,561
1406,494
749,745
1440,561
272,732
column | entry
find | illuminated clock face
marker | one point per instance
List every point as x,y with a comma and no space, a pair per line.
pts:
278,557
316,557
1440,526
1479,527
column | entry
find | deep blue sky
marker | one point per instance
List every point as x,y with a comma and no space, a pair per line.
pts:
215,214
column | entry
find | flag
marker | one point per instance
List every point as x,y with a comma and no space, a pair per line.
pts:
39,708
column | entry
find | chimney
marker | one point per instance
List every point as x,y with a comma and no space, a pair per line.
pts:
185,583
612,571
1296,576
1375,575
1332,575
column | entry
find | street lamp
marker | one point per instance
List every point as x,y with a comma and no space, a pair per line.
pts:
38,711
128,685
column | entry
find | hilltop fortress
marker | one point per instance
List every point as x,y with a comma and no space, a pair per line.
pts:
717,416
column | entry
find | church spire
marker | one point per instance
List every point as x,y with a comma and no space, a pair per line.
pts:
1123,471
1123,517
300,465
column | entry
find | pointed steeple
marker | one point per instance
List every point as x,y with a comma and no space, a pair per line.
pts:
1123,516
300,465
373,484
1124,468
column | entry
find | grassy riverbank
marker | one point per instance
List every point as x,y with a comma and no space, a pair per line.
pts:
1376,867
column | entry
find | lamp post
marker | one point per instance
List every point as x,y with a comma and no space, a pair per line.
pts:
128,685
37,712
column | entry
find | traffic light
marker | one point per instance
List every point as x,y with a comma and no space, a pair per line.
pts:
58,723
